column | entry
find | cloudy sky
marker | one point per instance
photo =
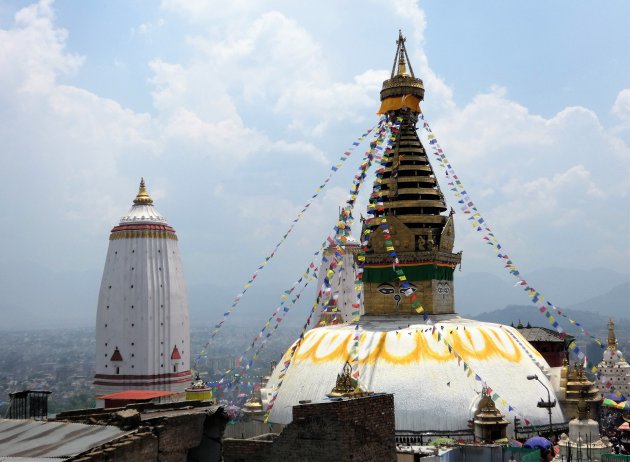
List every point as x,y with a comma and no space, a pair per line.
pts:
234,111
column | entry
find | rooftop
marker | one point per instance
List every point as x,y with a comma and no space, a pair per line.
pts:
54,440
540,334
137,394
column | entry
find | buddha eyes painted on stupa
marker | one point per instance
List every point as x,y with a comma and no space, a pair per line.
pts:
396,293
443,288
388,289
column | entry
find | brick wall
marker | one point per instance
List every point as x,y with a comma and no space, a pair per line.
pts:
237,450
358,429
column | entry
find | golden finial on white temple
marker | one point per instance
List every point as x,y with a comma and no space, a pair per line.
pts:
143,197
612,339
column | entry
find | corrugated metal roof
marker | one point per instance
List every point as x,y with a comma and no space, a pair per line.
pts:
31,459
36,440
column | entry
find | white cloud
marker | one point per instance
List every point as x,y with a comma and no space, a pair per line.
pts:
146,29
621,108
203,11
275,63
541,182
243,128
32,53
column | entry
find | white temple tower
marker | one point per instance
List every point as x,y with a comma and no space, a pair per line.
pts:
338,305
614,370
142,329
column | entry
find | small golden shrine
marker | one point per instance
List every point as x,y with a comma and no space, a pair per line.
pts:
253,407
574,384
346,386
488,424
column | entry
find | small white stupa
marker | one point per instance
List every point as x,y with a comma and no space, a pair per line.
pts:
584,441
614,370
142,327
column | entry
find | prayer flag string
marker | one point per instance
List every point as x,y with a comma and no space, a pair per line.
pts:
249,283
438,332
480,224
342,231
376,208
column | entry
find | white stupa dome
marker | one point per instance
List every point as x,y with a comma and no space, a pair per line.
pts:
432,390
612,355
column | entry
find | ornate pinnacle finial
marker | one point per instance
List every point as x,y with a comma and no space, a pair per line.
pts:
612,340
583,407
143,197
402,54
401,58
402,82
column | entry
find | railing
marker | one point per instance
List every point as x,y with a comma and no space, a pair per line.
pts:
423,438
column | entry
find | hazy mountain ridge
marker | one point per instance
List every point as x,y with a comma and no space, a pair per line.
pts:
613,304
36,297
513,314
477,293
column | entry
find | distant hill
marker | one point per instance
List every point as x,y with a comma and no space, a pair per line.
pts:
593,313
477,293
530,314
595,323
614,303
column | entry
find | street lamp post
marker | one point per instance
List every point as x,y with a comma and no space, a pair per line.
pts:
548,404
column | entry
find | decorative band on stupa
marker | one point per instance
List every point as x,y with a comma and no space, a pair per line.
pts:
149,226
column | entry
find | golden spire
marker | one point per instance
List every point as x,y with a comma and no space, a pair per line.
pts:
402,56
143,197
612,340
402,82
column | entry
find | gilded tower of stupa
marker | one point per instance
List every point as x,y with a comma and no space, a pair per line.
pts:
413,204
401,349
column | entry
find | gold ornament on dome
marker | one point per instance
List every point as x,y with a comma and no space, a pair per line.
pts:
143,197
346,385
